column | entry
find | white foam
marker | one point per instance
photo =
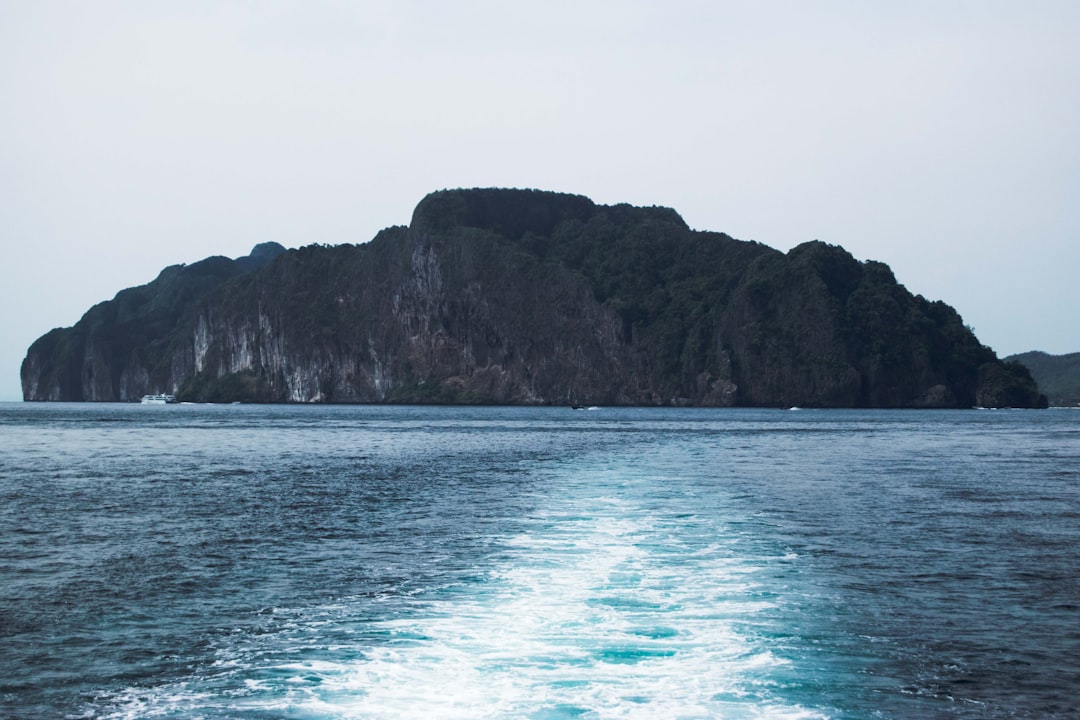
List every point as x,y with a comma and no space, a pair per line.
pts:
603,607
601,610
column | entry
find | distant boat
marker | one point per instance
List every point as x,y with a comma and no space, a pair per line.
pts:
159,399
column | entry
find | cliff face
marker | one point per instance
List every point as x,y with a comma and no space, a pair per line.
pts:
126,347
503,296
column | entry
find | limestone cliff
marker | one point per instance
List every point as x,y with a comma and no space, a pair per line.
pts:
507,296
133,344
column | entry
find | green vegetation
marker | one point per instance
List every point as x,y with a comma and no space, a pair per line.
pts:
1058,376
445,393
244,386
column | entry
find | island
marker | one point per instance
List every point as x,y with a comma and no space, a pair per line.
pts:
503,296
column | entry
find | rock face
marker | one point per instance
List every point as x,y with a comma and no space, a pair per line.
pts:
133,344
511,296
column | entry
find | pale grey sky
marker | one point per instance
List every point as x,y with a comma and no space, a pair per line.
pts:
939,137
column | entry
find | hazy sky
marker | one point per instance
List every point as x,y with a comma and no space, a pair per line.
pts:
942,138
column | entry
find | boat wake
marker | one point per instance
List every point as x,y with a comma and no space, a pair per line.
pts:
604,607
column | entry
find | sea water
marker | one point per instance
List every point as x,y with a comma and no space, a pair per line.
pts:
415,562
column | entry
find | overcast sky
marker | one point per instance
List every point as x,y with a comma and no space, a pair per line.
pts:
942,138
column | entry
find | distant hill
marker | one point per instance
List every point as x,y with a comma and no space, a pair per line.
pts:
1058,376
522,296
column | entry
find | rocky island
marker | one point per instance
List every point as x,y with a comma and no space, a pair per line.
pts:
529,297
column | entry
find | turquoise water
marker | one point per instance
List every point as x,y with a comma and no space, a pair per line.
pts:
386,562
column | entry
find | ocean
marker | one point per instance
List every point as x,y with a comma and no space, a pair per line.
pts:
244,561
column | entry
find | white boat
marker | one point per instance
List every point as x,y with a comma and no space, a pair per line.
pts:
159,399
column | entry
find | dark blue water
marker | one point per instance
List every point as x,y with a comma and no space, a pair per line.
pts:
357,562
